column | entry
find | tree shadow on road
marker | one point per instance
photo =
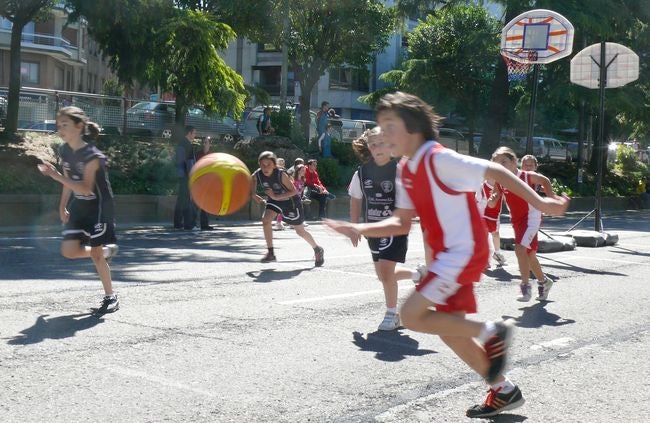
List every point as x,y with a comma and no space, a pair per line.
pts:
55,328
272,275
537,316
389,345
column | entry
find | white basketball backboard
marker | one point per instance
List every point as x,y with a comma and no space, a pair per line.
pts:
545,32
623,66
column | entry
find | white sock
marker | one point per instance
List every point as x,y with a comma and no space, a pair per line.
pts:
415,276
488,329
391,310
506,386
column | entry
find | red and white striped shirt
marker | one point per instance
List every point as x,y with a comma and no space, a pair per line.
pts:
520,210
483,196
440,185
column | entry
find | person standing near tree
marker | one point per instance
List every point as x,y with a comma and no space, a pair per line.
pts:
322,119
264,126
203,215
184,214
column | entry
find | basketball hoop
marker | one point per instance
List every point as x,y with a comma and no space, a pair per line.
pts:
518,71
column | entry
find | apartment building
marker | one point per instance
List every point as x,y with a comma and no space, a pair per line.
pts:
55,55
260,65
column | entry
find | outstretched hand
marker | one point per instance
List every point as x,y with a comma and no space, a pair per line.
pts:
344,228
47,169
556,206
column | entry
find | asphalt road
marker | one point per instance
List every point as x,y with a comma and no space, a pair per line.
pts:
206,333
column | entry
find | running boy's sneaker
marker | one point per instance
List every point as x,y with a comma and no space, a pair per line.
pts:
268,257
496,403
500,258
110,251
422,272
279,226
319,256
525,293
496,349
390,322
110,304
543,289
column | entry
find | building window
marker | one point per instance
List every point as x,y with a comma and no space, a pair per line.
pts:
271,80
350,79
29,72
59,76
267,48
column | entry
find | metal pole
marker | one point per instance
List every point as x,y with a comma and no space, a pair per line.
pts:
531,112
285,57
601,141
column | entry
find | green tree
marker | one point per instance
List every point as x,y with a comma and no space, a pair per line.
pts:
451,61
331,33
455,51
19,13
177,50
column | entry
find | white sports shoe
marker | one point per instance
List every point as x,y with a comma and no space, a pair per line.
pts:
500,258
543,289
279,226
390,322
525,294
422,271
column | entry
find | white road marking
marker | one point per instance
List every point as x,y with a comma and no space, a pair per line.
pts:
136,374
553,344
338,296
417,403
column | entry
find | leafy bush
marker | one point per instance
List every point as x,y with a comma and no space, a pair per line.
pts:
283,121
329,172
343,152
626,159
139,166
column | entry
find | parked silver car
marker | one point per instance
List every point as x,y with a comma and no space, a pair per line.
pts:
157,119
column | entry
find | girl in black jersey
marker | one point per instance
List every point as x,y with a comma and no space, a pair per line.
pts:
282,199
86,205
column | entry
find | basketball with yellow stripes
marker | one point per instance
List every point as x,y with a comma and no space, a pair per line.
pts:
220,183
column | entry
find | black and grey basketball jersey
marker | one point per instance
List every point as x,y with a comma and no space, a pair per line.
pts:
378,187
74,162
273,181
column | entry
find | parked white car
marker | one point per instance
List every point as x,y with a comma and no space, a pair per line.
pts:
547,148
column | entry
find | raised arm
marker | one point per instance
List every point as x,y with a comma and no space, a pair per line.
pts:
555,205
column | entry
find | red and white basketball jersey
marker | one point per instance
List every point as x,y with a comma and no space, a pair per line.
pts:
520,210
482,198
440,185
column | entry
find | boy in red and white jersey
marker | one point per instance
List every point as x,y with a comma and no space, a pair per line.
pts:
439,185
526,221
489,199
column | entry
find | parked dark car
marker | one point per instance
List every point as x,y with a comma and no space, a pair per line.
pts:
45,126
157,119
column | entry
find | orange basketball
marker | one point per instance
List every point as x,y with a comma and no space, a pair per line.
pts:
220,183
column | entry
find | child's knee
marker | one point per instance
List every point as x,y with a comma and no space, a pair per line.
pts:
96,253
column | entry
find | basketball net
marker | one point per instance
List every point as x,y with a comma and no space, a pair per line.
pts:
518,71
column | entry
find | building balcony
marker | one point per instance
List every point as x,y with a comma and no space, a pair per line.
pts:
57,47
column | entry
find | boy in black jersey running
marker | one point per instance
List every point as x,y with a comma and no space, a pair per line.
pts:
282,199
86,204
